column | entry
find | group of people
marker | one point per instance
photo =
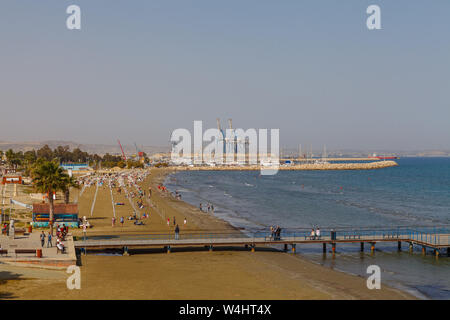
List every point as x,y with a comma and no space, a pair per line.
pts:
275,232
315,234
209,207
162,188
49,239
61,233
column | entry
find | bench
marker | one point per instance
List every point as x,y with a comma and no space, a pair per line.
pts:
18,251
3,251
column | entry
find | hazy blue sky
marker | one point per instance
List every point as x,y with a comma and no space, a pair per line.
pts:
139,69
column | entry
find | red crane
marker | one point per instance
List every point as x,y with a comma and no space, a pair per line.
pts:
123,153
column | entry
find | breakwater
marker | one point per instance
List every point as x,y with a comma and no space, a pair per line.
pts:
305,166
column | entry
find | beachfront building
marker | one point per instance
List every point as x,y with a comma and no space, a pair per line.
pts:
75,166
66,214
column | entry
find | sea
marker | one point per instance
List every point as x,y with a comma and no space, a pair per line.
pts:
416,193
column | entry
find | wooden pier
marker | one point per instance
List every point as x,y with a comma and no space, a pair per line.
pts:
436,240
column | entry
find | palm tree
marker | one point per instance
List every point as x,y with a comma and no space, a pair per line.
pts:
70,182
49,177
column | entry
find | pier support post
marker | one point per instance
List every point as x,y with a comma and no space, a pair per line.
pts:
448,252
324,248
293,248
125,251
333,247
399,246
285,247
424,250
168,249
362,247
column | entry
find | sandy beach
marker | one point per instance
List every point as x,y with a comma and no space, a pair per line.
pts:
183,274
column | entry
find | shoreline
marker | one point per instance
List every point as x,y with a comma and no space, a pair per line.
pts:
303,259
193,274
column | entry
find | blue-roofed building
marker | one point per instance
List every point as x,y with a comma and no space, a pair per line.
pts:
75,166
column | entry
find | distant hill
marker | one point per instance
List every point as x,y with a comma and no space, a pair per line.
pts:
100,149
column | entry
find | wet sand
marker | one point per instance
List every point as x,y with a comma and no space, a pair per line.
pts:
196,274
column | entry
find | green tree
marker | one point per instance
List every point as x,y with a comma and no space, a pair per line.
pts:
10,157
30,157
45,153
49,177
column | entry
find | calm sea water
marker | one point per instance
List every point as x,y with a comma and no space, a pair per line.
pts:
416,193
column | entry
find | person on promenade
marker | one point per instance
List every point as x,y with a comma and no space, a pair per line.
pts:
60,246
177,232
272,233
168,222
49,240
113,221
212,208
313,234
42,239
318,233
278,233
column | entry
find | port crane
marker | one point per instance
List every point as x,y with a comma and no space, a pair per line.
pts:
121,149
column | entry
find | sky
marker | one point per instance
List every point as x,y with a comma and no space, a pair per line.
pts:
139,69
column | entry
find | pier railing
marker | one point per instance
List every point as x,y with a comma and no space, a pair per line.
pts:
425,235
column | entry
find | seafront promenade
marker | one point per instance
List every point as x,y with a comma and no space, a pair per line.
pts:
23,250
437,240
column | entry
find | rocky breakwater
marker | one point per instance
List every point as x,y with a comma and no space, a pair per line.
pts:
306,166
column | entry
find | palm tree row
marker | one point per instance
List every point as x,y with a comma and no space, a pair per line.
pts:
49,178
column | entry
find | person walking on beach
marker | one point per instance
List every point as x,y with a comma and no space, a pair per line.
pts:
168,222
177,232
42,239
174,223
113,221
121,221
49,240
201,207
185,221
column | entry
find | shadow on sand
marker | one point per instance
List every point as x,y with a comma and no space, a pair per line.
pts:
4,277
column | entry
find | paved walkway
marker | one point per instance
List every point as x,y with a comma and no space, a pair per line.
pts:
50,257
